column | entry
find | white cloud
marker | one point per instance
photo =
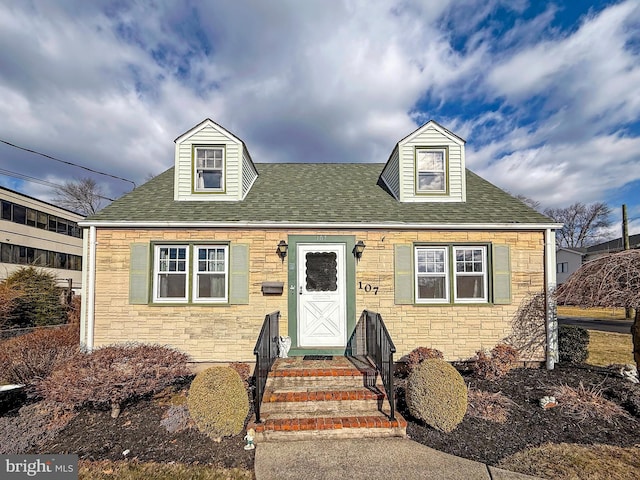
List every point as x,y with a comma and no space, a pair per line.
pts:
110,85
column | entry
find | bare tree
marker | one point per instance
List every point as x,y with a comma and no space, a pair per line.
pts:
609,281
530,202
83,196
583,224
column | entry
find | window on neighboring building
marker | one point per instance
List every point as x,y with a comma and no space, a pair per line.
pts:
171,273
209,169
434,283
562,267
21,255
210,273
432,274
431,170
35,218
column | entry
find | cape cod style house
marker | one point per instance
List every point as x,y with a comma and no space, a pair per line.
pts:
196,257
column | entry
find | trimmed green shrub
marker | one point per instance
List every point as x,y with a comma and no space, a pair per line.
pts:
573,344
39,301
114,375
496,363
218,402
30,358
437,394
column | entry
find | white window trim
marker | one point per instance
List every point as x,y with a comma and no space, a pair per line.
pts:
456,274
196,188
194,285
445,274
444,170
157,272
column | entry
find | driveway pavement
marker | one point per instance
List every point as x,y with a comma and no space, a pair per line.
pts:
615,326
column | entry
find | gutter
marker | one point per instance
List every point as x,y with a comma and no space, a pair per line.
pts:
91,289
551,318
333,226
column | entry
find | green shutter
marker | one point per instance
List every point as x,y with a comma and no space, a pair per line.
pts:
501,275
403,274
139,274
239,274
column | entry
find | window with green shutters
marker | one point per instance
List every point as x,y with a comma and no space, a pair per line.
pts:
452,274
189,273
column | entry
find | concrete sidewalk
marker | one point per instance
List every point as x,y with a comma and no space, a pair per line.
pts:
363,458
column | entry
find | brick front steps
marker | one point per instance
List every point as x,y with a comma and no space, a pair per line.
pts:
338,398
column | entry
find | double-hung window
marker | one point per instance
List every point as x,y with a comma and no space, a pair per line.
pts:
190,273
432,274
445,272
209,169
431,170
210,273
470,283
171,273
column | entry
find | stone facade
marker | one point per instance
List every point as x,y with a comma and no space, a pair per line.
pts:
229,332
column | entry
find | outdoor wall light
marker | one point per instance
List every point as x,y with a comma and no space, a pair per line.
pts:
282,249
358,249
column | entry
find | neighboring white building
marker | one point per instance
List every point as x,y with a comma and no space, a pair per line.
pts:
568,261
37,233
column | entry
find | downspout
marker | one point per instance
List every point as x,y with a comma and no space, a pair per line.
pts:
85,283
91,288
549,302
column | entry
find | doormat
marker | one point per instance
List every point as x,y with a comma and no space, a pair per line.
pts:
318,357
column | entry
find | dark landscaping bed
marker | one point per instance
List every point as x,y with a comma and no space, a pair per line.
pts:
528,424
94,435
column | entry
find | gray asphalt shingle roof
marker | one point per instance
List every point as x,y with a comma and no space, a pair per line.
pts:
319,193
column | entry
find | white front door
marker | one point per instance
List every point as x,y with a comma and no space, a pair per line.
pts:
322,308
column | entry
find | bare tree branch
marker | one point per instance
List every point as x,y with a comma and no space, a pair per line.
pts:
530,202
583,224
83,196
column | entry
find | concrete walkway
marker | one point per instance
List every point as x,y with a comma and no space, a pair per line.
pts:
362,458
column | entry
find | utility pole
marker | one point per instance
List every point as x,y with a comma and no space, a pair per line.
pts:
625,242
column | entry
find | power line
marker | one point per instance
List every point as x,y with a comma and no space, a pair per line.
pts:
68,163
28,178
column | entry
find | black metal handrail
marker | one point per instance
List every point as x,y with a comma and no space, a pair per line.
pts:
380,348
266,352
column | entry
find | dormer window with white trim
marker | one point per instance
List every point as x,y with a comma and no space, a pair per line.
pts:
209,169
431,170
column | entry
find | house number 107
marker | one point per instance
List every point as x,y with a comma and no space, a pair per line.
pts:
367,288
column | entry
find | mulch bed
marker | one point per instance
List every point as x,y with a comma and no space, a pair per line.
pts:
528,425
94,435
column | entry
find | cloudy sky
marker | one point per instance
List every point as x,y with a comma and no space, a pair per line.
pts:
546,94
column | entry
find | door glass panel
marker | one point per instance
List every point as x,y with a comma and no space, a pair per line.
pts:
321,272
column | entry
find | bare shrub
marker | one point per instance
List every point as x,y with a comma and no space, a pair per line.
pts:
73,312
244,370
420,354
34,425
114,375
494,407
496,363
30,358
528,326
585,403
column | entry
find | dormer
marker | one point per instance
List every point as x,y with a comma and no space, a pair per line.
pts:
212,164
427,166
